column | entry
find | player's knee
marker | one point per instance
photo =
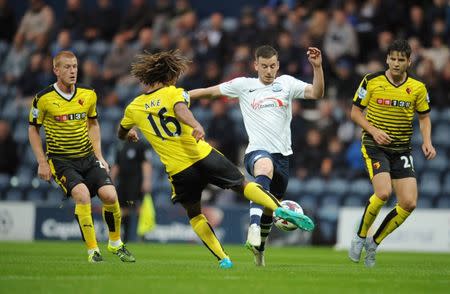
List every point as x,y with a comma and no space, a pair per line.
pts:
384,194
108,194
409,205
263,166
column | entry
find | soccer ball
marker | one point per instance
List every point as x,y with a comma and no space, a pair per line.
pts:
285,225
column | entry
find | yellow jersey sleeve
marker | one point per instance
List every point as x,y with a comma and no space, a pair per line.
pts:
362,95
92,113
180,95
127,121
37,112
423,100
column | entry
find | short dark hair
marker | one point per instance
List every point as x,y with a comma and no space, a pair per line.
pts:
265,51
400,46
163,67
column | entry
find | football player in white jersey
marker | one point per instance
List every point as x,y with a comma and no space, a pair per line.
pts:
266,106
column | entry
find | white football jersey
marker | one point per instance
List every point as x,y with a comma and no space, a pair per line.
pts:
267,110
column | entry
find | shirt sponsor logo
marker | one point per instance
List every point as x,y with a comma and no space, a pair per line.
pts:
270,102
72,116
393,102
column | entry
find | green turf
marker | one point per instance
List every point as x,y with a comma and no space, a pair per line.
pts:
61,267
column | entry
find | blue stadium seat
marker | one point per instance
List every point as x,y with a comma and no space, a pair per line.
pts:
331,199
419,159
423,202
315,186
440,163
354,201
308,203
443,202
36,195
431,187
337,186
295,187
54,196
113,114
327,230
361,187
328,212
4,181
108,132
20,132
445,115
440,135
14,194
446,184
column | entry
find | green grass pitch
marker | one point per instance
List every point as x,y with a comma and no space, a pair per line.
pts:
62,267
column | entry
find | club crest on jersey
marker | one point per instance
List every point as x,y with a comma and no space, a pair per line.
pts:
270,102
408,90
376,165
81,102
276,87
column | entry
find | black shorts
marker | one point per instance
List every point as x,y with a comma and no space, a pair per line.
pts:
280,178
399,164
69,172
130,194
216,169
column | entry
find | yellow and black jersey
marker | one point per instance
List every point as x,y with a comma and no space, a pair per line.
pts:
153,113
65,120
391,108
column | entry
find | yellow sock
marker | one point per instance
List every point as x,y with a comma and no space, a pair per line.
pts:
257,194
392,221
206,234
112,217
370,213
84,218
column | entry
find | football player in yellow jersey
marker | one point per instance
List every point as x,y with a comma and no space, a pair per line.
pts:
390,99
74,158
163,116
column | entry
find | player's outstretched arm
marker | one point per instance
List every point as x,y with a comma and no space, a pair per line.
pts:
317,89
44,171
210,92
425,130
184,115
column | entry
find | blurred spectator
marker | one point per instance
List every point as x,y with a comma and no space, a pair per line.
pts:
334,164
317,27
220,132
212,74
299,127
418,27
438,53
346,81
36,25
29,82
9,161
91,76
7,22
326,124
145,40
63,42
103,22
118,60
16,61
184,25
138,15
309,160
248,31
354,159
340,38
74,19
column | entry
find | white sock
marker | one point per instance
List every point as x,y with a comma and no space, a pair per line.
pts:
116,243
91,251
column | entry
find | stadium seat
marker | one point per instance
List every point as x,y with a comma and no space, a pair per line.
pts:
54,196
113,114
446,184
361,187
443,202
308,203
440,135
328,212
331,199
14,194
327,231
354,201
440,163
35,195
445,115
423,202
314,186
337,186
108,132
431,187
295,187
4,181
20,132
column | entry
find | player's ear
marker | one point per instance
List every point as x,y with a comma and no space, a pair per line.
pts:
255,64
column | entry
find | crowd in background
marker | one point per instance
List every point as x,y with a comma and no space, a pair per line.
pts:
353,36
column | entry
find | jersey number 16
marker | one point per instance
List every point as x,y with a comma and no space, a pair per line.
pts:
163,122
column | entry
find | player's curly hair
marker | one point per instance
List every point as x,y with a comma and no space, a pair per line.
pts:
162,67
400,46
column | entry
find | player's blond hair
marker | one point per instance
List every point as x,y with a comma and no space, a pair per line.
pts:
62,54
163,67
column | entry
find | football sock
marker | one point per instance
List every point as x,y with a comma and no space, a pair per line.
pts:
257,194
206,234
266,226
391,222
112,217
84,218
370,213
256,210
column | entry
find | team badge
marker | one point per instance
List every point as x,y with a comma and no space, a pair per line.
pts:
362,93
276,87
376,165
408,90
81,102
